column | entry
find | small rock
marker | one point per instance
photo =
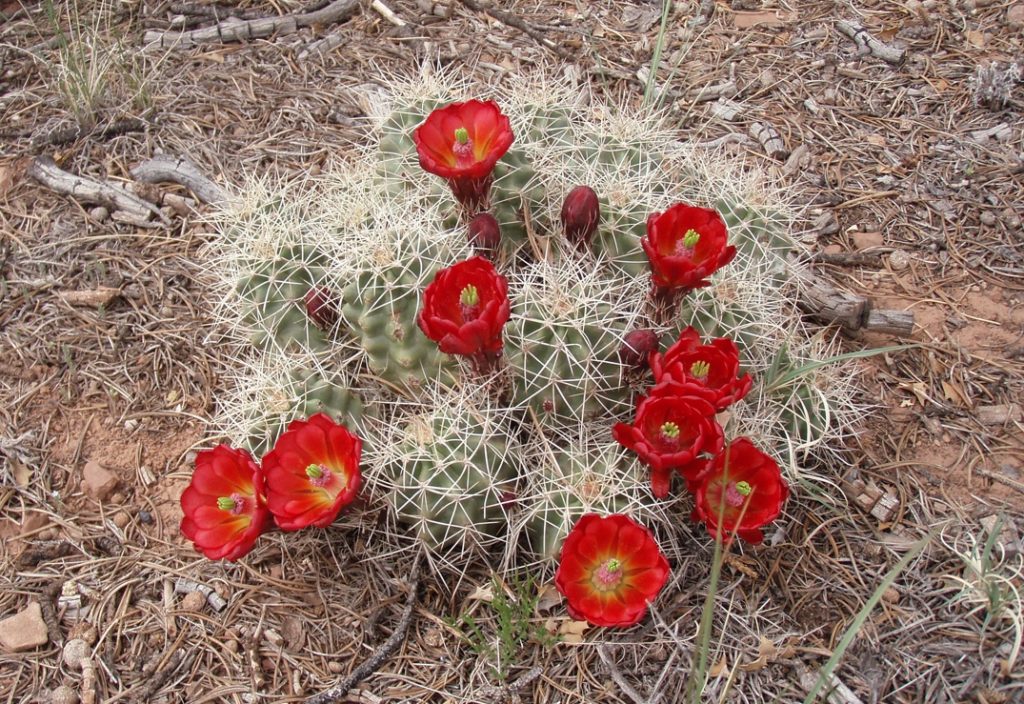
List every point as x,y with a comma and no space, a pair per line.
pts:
97,481
866,240
899,260
1015,16
83,630
145,517
25,630
76,651
833,249
334,667
99,214
63,695
121,519
117,498
193,601
987,218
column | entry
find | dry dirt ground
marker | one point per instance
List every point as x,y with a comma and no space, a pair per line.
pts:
915,167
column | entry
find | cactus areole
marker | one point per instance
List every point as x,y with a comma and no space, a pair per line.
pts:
461,143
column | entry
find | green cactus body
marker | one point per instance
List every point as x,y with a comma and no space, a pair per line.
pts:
304,394
563,340
272,301
453,476
380,310
571,483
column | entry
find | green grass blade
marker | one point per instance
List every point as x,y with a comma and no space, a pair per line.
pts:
817,364
666,7
862,616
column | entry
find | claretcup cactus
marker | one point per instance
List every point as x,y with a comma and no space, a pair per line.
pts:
513,452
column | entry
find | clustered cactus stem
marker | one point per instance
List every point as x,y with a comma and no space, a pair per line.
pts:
403,299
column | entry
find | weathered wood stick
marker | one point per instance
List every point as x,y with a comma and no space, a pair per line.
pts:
180,170
45,170
235,30
868,44
890,322
770,139
830,305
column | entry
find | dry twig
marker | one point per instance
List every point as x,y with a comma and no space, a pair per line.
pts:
507,18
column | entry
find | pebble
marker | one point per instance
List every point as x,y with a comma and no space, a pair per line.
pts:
24,631
97,481
146,517
63,695
99,214
1015,16
899,260
193,601
334,667
865,240
121,519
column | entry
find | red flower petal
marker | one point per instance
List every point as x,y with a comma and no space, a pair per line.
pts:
609,570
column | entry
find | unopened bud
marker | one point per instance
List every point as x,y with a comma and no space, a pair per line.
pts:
581,212
637,347
485,234
321,307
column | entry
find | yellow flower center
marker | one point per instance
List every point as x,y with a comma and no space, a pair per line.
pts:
318,475
691,238
469,296
744,488
670,430
462,135
609,574
231,504
700,370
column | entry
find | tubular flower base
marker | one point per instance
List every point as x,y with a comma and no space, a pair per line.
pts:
224,505
312,473
610,569
742,491
464,310
713,367
685,245
671,432
462,142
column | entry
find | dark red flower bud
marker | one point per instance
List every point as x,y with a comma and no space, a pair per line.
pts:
322,307
637,347
485,235
580,214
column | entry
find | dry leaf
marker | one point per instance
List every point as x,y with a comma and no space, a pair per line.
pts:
766,653
769,18
719,668
93,299
741,564
484,593
975,38
572,631
21,472
548,598
957,395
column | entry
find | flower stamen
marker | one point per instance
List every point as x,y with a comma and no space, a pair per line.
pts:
233,504
609,574
736,493
700,369
670,430
318,474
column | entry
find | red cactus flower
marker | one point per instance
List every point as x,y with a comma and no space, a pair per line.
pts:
581,213
224,504
671,431
742,491
462,142
312,472
465,308
714,366
610,569
685,245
